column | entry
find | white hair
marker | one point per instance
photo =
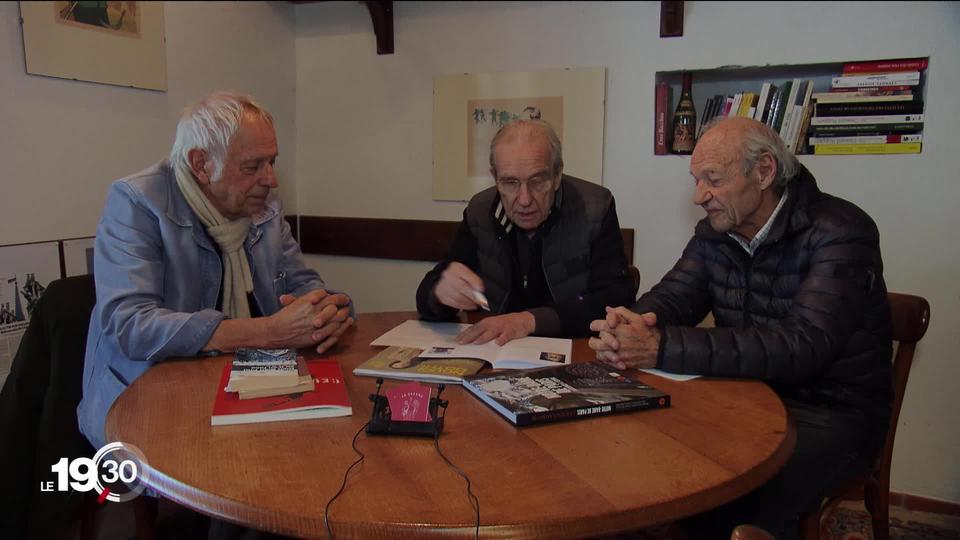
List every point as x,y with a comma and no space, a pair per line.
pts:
759,139
209,126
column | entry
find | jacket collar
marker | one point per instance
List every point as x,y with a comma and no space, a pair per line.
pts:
793,217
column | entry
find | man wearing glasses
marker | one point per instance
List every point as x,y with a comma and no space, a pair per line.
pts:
541,249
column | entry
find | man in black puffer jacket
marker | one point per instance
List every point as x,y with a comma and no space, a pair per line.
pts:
794,279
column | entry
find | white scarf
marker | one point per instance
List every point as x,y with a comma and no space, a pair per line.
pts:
229,235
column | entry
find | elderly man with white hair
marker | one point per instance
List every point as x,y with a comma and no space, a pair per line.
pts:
191,257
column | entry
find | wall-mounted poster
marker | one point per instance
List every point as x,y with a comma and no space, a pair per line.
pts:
468,109
118,43
25,271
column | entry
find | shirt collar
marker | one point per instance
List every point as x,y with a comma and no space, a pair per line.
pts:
751,246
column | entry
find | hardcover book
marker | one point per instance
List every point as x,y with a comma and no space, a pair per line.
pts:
405,363
661,142
882,148
870,108
328,399
904,78
886,66
572,391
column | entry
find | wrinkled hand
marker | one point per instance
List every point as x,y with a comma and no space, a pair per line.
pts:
456,286
501,328
626,339
316,318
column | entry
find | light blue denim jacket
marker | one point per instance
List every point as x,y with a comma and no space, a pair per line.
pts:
158,277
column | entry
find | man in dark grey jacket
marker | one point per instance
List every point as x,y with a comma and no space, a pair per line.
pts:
794,279
541,249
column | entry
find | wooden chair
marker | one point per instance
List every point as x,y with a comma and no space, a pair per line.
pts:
635,277
910,315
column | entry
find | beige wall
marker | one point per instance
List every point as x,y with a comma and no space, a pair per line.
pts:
65,141
364,144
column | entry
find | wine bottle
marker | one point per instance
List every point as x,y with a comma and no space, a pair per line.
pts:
684,121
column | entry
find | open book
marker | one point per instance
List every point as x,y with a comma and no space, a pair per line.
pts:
438,341
405,363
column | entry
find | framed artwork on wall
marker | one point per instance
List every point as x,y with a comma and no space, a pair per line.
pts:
120,43
468,109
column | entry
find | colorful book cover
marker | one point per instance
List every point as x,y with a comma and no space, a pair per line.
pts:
328,399
404,363
571,391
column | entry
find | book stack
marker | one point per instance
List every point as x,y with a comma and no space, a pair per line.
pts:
257,373
871,108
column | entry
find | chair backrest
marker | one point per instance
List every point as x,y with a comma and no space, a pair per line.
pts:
635,279
911,316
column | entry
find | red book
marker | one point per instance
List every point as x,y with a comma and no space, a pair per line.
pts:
875,89
886,66
661,144
329,399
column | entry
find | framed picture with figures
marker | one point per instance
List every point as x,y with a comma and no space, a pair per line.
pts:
468,109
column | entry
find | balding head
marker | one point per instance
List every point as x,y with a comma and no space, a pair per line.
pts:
747,139
527,131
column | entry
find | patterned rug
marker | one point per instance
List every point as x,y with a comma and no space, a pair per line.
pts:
850,521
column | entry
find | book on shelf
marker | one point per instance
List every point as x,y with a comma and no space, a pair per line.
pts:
328,399
789,106
782,105
661,141
800,107
862,97
905,78
763,102
872,108
881,148
565,392
405,363
886,66
438,340
864,129
867,119
868,139
878,90
800,145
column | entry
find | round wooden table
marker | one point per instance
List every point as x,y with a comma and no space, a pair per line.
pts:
718,441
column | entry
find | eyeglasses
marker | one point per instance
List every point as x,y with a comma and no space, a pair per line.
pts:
539,184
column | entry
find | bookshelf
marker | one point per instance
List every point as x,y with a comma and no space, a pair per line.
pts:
731,79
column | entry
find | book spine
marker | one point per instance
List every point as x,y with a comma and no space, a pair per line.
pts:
870,108
860,97
868,139
661,146
910,78
879,119
873,89
529,419
788,109
882,148
912,64
727,104
774,106
762,102
873,129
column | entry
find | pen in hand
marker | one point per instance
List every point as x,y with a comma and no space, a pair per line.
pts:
481,300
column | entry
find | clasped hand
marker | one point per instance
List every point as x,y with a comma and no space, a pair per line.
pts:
626,339
316,318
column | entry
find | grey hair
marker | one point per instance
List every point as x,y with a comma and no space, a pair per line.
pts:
759,139
209,126
532,126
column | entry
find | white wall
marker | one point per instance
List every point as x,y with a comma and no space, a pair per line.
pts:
364,144
63,142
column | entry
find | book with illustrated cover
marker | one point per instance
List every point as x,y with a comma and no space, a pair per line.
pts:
571,391
405,363
328,399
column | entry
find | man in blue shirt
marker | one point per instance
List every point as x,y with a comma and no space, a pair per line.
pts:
190,256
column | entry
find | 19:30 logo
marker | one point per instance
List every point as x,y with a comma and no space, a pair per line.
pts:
117,472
